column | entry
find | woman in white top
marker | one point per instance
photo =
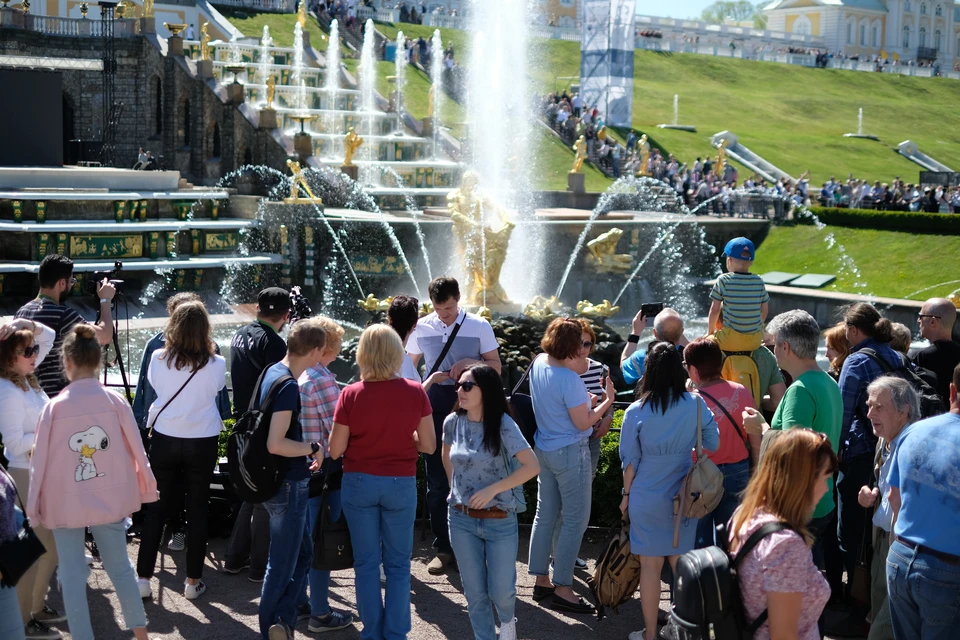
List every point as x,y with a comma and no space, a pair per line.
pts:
23,345
185,424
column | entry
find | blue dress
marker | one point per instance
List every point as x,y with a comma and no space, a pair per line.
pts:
659,446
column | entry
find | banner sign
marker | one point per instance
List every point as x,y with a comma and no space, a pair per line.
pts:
606,59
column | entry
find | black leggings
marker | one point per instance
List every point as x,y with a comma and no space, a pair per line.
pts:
183,468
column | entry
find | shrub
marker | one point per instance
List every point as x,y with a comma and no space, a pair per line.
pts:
909,221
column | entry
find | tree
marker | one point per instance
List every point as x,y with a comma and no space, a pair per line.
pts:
736,10
759,17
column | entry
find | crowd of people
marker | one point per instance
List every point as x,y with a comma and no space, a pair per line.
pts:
893,196
846,463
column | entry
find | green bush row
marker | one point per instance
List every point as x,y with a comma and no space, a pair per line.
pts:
910,221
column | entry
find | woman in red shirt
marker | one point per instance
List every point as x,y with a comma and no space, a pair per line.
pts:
379,426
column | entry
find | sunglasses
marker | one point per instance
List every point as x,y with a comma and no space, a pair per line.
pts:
466,386
29,352
587,344
927,315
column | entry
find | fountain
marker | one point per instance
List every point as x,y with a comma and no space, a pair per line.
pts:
297,76
860,133
368,74
263,68
431,124
676,118
400,78
331,83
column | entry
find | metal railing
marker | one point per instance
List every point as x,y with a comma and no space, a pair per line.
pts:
378,15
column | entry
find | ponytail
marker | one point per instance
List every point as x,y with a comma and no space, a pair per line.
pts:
867,319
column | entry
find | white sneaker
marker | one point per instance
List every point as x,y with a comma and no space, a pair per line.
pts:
635,635
194,591
144,585
508,630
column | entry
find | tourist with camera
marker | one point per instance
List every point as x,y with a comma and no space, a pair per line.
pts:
184,425
565,422
56,280
23,345
449,340
89,470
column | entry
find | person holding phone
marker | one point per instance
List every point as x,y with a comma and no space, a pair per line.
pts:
667,327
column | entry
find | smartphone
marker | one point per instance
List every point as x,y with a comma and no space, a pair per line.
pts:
650,309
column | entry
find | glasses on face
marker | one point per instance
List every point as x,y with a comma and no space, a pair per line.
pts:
29,352
73,281
466,386
927,315
587,344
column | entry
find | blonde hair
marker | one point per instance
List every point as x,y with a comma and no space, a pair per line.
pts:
334,332
81,347
305,336
379,354
836,337
901,337
8,359
785,479
189,341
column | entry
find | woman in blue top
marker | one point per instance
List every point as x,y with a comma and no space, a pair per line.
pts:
479,440
656,441
565,422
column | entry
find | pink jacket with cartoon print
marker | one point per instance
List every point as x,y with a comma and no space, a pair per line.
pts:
89,466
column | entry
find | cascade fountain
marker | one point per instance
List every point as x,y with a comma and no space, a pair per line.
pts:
263,68
368,76
436,87
331,82
298,66
400,77
676,118
860,133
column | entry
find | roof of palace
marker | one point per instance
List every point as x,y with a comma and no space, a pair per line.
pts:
870,5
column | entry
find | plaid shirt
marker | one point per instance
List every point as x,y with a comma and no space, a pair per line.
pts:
319,393
859,370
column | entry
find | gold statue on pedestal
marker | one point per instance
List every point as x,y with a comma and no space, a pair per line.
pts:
721,159
602,310
602,255
580,148
302,14
542,309
955,298
299,181
482,229
271,91
644,148
351,142
147,8
205,41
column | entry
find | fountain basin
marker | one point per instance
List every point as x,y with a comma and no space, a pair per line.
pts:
79,179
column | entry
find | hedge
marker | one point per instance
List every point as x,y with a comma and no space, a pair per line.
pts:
909,221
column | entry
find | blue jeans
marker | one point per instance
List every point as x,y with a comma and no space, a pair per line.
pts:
381,511
320,580
112,543
11,624
565,488
291,550
486,551
736,475
924,594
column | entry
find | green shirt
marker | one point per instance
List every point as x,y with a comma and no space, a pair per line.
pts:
813,401
767,368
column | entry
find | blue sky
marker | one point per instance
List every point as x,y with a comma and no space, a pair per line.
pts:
673,9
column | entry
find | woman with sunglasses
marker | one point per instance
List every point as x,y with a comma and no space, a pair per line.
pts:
479,439
565,422
23,345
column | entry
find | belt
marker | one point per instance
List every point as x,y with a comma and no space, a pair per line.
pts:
949,558
492,512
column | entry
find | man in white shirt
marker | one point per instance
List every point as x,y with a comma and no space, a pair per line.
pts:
190,34
473,343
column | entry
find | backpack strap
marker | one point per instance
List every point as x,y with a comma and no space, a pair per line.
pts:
525,375
754,539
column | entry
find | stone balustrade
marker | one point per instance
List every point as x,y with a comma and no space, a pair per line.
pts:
68,27
270,6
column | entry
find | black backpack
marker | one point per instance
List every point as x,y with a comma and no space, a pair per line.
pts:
707,599
255,473
930,403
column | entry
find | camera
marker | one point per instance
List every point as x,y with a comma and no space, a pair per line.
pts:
650,309
97,277
299,305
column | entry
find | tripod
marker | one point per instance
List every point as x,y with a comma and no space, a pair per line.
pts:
116,344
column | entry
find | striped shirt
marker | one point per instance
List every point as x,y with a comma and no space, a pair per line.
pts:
593,380
61,319
319,393
741,295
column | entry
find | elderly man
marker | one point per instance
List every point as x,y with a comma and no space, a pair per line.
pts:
936,318
923,565
892,407
667,326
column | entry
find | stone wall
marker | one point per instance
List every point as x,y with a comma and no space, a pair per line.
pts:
166,108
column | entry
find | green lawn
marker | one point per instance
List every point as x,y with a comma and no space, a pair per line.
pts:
553,160
281,28
893,264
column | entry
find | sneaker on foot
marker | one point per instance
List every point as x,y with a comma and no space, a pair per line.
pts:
635,635
439,564
581,563
177,542
279,631
38,631
330,622
508,630
194,591
235,570
303,611
49,615
144,585
255,578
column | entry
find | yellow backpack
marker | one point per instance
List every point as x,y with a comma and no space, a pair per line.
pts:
738,364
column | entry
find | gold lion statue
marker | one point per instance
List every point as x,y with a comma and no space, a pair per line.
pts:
351,142
603,310
602,255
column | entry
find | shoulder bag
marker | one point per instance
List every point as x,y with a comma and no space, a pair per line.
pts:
521,407
332,547
19,553
701,489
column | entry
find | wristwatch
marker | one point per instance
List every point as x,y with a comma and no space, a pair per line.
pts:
624,492
633,338
104,300
315,446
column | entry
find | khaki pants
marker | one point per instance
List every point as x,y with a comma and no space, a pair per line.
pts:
880,626
33,586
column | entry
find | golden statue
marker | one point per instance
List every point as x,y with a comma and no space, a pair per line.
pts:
299,182
302,14
955,298
602,310
373,305
721,159
426,309
205,41
351,142
120,9
485,313
147,8
542,309
602,255
482,229
644,148
580,148
175,28
271,90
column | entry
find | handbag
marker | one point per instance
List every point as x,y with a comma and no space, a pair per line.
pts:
19,553
332,547
521,408
701,489
510,464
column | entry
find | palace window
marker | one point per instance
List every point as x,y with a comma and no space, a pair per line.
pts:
923,8
923,37
936,39
906,37
938,11
863,35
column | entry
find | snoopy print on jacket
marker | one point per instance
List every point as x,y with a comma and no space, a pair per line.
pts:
87,443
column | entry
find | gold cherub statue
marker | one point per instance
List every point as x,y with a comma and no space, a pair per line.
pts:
602,255
542,309
602,310
721,158
485,313
271,90
205,41
580,148
955,298
426,309
482,247
351,142
302,14
373,305
644,147
299,182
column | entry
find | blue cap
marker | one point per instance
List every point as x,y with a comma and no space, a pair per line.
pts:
740,249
